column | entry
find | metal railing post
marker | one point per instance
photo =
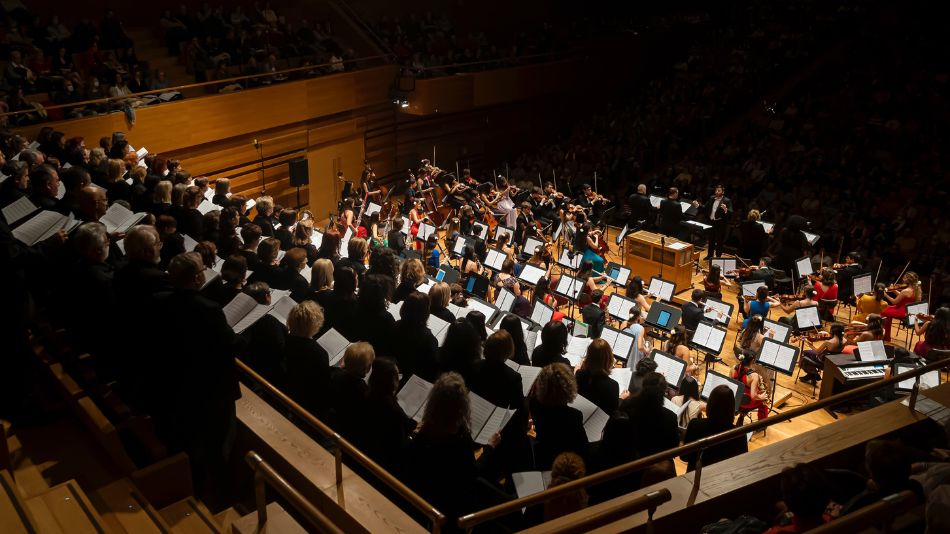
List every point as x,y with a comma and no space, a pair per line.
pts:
260,497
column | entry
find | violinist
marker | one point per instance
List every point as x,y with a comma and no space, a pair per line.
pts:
541,207
762,272
635,292
377,238
873,332
591,202
908,292
826,289
790,307
760,305
591,281
470,264
717,210
934,334
504,205
455,192
846,271
813,359
870,303
585,243
713,281
416,216
466,220
525,224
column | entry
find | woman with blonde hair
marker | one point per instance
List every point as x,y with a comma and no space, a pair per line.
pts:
753,238
907,292
321,281
162,198
411,275
116,187
439,297
302,238
307,363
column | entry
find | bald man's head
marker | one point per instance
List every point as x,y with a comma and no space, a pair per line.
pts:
642,189
93,203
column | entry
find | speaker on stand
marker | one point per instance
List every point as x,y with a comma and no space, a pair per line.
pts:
299,175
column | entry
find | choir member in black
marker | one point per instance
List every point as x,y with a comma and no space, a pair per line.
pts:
385,426
396,239
222,190
559,427
720,414
44,183
671,213
265,215
190,388
461,348
89,292
173,243
137,282
640,208
342,311
251,237
593,377
414,347
492,379
694,310
356,250
229,284
552,347
264,340
267,271
717,210
375,322
291,265
306,363
439,463
287,219
348,390
512,325
790,245
321,283
190,220
753,239
411,275
330,247
439,297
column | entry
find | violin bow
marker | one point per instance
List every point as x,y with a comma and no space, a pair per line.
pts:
878,273
902,272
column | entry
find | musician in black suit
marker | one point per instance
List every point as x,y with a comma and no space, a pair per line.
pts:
717,210
671,213
693,310
640,207
396,239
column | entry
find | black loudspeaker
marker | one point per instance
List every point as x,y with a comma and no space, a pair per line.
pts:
299,173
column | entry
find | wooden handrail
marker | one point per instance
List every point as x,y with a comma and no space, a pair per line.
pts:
469,521
648,503
342,445
180,88
882,511
264,474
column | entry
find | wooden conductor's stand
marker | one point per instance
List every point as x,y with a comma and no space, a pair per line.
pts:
649,254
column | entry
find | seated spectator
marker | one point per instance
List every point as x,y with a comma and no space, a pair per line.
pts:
805,497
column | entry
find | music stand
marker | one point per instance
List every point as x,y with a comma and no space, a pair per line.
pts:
569,288
671,367
529,245
477,286
929,380
618,274
618,306
480,231
505,300
806,318
504,230
714,379
913,310
494,259
541,313
570,260
725,264
621,343
781,358
530,274
717,310
803,267
663,316
780,332
661,289
708,338
425,230
861,284
871,351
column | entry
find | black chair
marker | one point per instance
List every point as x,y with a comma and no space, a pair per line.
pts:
826,309
782,282
451,275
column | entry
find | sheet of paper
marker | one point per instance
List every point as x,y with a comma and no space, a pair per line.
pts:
531,482
15,211
717,311
238,308
749,288
530,245
678,245
335,344
487,309
481,411
619,306
669,366
494,259
808,317
569,286
777,331
394,309
862,284
495,423
570,260
541,313
803,266
281,310
577,349
622,376
252,317
713,380
531,274
41,226
872,351
505,300
413,396
708,337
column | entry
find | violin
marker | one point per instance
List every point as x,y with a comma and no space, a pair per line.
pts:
786,298
819,335
897,287
925,317
855,329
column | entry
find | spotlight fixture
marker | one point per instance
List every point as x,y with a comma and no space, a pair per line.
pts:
404,103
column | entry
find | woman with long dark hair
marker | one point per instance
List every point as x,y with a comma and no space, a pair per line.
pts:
720,413
934,334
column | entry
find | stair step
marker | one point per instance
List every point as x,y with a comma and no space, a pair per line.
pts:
188,516
29,479
278,522
15,517
65,509
226,518
125,509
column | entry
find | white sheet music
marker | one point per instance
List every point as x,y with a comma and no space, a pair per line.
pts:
622,376
569,286
531,274
238,308
678,245
862,284
803,266
505,300
481,411
567,261
595,419
872,351
807,317
252,317
725,264
530,244
372,208
438,327
620,342
189,242
335,344
502,230
767,226
487,309
41,226
480,231
749,288
677,410
619,306
425,230
812,238
494,259
15,211
577,349
531,340
709,337
655,201
207,206
714,379
777,356
281,309
531,482
413,396
119,219
460,245
685,206
619,273
541,313
528,375
777,331
669,366
394,308
405,226
661,289
927,380
913,310
316,238
717,311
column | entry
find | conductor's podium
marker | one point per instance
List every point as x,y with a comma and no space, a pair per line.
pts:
647,253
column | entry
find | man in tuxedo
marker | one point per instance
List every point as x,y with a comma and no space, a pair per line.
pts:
671,213
396,239
852,267
717,211
45,182
640,207
693,310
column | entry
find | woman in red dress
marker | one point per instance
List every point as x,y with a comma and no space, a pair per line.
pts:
755,397
826,289
898,300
